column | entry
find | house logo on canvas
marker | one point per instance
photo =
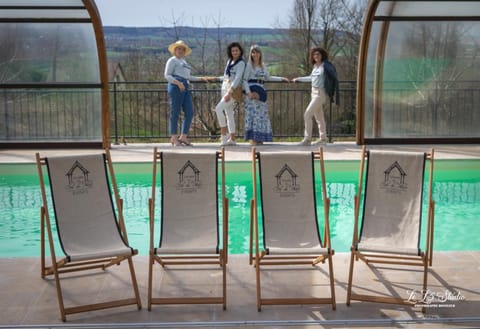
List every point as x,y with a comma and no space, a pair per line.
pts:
286,182
394,179
77,179
189,178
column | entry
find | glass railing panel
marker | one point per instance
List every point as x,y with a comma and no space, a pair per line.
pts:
50,115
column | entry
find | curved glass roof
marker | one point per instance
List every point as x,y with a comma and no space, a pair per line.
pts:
418,72
428,10
53,73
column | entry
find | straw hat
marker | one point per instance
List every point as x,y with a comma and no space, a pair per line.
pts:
179,43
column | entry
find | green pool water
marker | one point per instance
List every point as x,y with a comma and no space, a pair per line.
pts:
456,191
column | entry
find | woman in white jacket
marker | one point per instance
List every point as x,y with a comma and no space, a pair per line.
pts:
232,80
324,85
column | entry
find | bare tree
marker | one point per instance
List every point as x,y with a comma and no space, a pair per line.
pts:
303,23
350,24
314,23
220,43
177,23
140,66
446,53
200,41
330,17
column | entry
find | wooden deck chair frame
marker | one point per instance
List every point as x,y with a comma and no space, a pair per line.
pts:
58,267
423,259
219,258
261,258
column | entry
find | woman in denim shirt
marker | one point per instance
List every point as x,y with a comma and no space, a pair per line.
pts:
178,75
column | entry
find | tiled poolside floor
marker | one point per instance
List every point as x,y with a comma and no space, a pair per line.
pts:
28,301
333,151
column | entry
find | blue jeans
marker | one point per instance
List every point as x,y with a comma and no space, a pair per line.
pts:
180,100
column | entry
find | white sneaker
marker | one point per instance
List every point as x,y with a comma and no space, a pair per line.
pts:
320,141
305,142
231,142
223,140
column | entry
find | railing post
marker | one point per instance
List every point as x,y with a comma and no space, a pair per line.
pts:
115,112
5,104
330,122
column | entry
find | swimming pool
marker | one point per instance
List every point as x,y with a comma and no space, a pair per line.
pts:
456,191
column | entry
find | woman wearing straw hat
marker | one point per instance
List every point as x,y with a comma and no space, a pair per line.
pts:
178,75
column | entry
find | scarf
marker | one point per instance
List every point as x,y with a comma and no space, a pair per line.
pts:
230,65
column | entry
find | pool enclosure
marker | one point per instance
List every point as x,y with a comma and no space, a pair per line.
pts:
53,74
418,76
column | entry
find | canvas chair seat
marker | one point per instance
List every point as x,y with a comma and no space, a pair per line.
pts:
386,250
297,251
191,229
389,230
89,253
287,232
90,231
185,251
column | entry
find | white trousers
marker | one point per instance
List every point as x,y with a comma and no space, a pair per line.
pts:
316,109
225,110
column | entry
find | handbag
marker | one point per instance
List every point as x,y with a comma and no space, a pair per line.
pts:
237,94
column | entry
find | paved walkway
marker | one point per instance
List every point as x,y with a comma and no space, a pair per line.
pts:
334,151
29,301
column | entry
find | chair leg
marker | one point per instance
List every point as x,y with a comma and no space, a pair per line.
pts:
58,286
350,277
430,249
250,250
259,293
134,283
42,242
425,278
332,282
150,279
224,279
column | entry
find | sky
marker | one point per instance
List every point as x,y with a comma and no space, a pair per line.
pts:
197,13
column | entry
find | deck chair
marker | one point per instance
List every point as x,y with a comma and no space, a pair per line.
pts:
192,231
90,231
390,231
289,234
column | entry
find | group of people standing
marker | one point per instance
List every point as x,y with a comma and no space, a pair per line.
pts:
245,82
